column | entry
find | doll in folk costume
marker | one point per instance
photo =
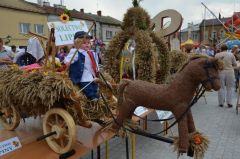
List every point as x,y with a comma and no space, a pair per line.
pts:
84,67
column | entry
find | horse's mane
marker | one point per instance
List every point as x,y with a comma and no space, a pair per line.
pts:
191,58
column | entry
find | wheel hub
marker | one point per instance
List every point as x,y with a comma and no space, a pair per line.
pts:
59,131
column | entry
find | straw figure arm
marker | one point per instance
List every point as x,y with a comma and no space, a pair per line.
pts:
163,59
143,55
113,54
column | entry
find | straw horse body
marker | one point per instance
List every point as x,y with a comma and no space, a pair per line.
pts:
174,97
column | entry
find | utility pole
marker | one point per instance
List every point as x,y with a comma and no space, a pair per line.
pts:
61,2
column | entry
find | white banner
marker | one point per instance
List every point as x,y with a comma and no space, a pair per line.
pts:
64,32
9,145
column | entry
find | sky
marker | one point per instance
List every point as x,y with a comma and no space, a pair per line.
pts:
191,10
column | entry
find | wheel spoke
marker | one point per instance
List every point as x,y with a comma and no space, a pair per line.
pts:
56,119
61,142
50,124
10,120
4,119
66,136
63,124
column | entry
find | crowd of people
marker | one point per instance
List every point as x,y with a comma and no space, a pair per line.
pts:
230,74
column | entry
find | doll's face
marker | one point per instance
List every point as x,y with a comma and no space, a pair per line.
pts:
82,44
85,44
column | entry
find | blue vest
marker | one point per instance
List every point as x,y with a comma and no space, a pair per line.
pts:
76,69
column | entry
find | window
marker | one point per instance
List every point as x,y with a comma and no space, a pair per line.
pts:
108,34
24,27
206,36
38,28
222,34
194,36
214,35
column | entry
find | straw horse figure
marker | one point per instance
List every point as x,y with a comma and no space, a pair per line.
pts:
174,97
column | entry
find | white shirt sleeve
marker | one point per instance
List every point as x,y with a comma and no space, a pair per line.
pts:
68,58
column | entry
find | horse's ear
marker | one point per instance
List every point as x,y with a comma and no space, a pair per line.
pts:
218,63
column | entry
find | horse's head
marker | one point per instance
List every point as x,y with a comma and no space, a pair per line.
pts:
210,73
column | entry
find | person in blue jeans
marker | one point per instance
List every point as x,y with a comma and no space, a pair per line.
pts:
83,69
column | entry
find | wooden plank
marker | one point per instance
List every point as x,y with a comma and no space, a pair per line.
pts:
40,150
88,138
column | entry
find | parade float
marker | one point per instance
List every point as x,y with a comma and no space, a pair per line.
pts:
136,52
36,91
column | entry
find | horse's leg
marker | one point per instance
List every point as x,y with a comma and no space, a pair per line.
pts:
183,132
191,128
191,125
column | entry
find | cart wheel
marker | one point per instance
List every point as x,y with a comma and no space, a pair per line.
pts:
59,121
9,118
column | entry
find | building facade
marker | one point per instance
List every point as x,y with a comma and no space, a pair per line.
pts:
53,14
209,32
18,18
212,31
192,32
106,26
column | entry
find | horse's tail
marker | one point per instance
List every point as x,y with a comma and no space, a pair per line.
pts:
121,89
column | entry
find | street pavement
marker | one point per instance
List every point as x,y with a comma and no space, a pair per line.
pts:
221,125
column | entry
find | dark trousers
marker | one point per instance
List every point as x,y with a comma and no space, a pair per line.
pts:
91,91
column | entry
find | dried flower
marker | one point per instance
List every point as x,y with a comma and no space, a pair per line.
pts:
197,139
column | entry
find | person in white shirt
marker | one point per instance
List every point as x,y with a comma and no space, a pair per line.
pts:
5,56
226,76
84,67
